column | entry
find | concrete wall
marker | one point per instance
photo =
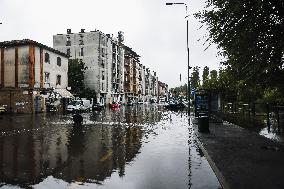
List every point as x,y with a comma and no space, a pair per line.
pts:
9,67
97,50
23,67
22,101
52,68
91,44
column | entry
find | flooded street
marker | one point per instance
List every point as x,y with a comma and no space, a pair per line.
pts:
137,147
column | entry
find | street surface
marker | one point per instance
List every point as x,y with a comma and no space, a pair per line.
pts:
137,147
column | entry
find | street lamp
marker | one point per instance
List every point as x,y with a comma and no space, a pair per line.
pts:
188,67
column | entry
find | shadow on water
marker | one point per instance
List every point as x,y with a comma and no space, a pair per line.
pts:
140,145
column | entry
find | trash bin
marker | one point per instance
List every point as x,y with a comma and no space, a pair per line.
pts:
203,124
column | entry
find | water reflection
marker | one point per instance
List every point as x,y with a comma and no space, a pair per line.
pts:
87,153
49,150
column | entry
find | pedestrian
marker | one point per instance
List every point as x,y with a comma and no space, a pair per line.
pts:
77,118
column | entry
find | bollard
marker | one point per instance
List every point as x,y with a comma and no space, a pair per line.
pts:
203,124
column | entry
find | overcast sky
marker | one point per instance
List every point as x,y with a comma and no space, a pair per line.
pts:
155,31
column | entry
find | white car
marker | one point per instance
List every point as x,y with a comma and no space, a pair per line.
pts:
79,105
2,109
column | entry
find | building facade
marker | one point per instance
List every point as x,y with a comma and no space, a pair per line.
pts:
117,70
163,92
103,56
30,73
114,70
131,62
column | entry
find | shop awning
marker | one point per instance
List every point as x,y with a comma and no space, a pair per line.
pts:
64,93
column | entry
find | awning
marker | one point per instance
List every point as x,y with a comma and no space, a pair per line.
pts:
63,93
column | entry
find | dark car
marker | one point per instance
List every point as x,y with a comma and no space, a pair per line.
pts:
176,105
130,103
98,107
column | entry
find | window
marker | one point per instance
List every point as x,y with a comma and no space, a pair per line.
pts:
81,41
68,41
46,77
46,58
58,61
103,75
58,80
103,64
103,52
81,53
68,52
102,86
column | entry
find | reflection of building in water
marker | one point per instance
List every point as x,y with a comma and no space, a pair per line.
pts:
26,158
77,154
142,114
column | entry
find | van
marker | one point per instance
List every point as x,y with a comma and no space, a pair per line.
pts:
79,105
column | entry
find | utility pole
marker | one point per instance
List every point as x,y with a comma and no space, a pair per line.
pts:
187,47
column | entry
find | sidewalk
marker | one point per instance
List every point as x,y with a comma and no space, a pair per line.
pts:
241,158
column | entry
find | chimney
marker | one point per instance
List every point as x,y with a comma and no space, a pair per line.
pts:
68,31
120,36
82,30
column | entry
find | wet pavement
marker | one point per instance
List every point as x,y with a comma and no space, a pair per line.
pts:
242,158
132,147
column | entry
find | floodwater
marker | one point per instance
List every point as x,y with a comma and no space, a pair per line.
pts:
138,147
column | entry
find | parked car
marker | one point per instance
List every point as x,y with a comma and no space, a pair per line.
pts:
2,109
141,102
153,100
98,107
175,105
130,103
114,105
79,105
52,106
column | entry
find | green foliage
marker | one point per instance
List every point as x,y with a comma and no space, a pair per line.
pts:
195,79
250,35
179,91
88,93
205,76
272,95
76,70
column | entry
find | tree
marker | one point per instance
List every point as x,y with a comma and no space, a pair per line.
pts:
213,82
76,70
195,79
179,91
205,76
250,34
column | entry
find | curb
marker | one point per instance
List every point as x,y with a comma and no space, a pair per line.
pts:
217,172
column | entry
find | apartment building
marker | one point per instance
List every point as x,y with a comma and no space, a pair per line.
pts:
141,83
117,68
131,59
30,73
114,69
103,55
163,92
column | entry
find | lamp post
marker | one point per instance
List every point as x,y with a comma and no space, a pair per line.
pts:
188,67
